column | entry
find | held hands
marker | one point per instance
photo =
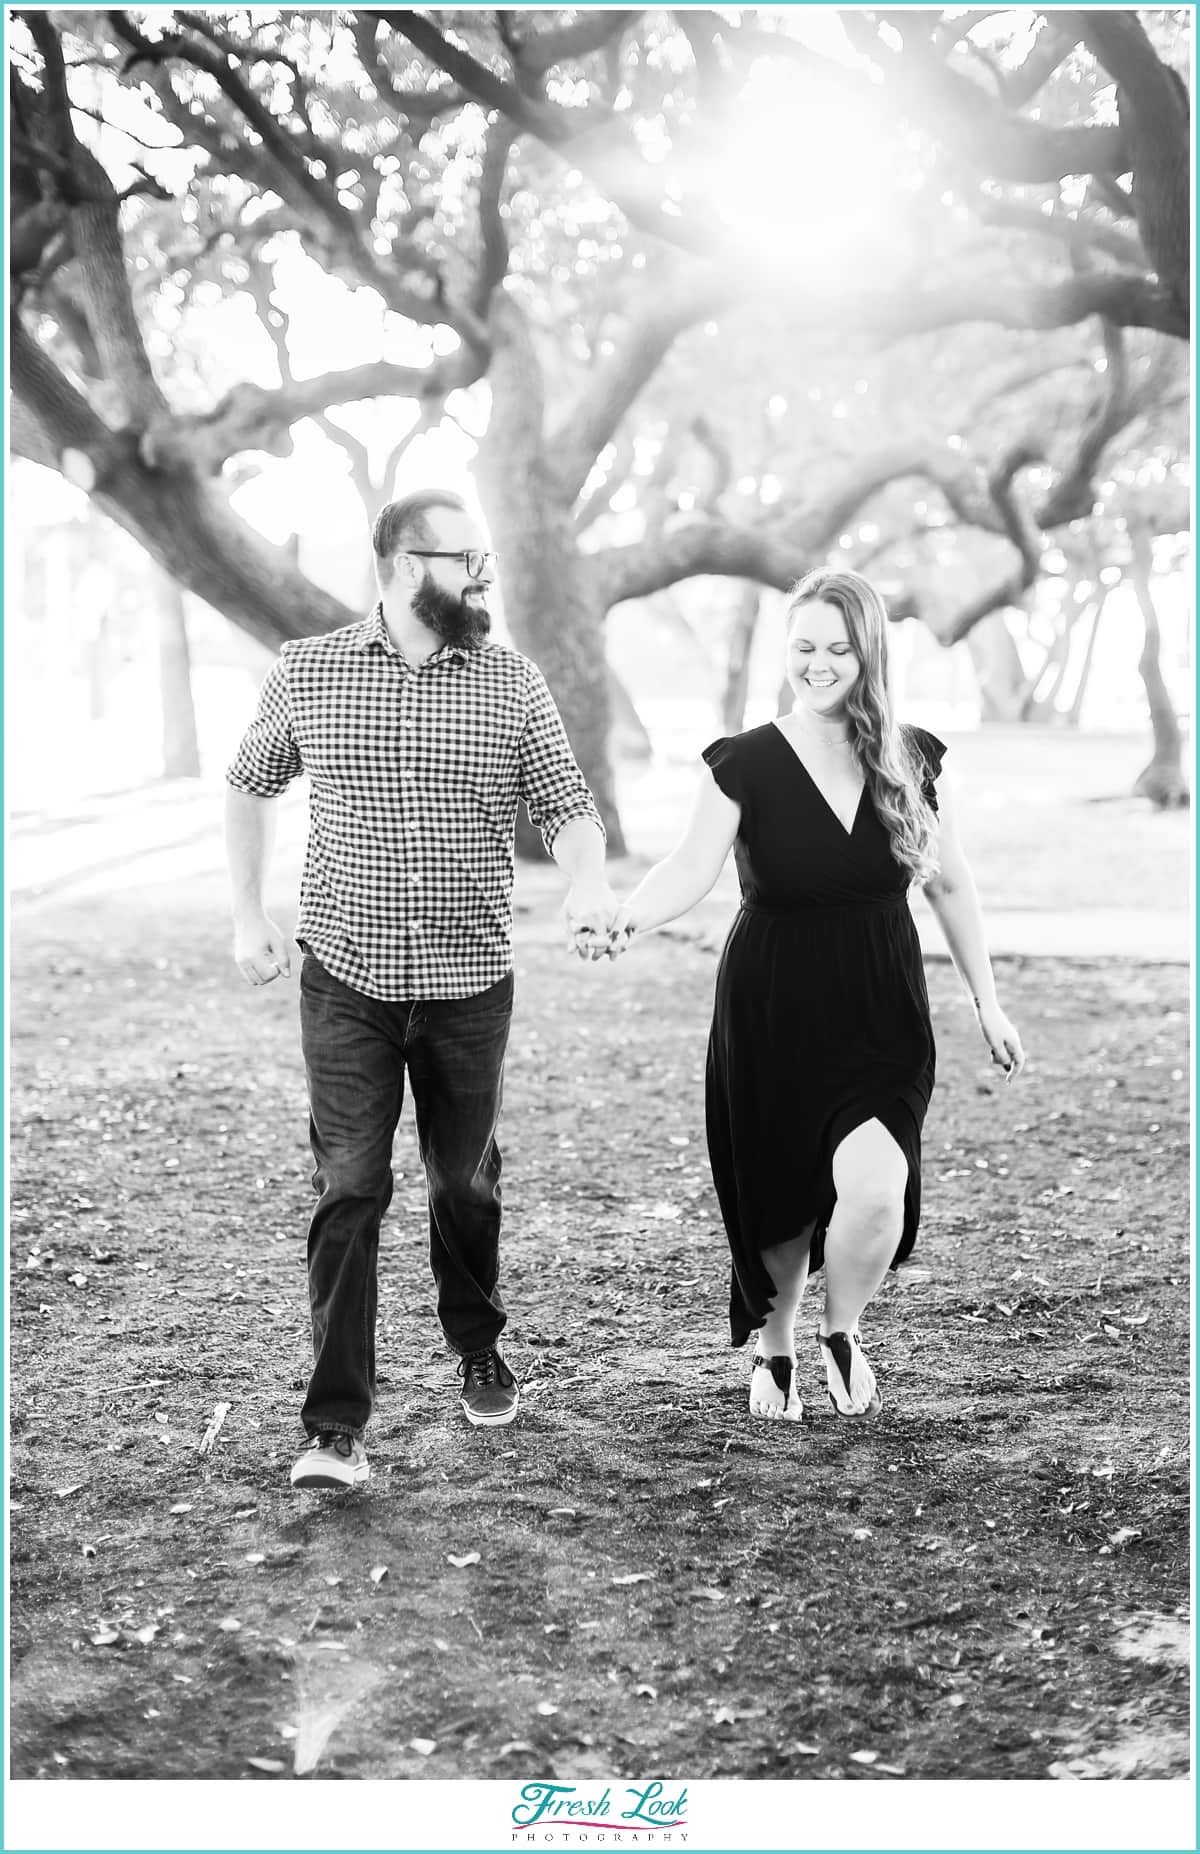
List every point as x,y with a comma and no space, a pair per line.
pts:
1002,1038
597,924
260,949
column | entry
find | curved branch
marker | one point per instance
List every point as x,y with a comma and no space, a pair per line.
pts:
614,384
594,29
256,418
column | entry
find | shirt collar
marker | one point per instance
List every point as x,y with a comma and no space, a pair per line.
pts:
376,636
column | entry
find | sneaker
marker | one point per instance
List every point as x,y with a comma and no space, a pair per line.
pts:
331,1460
489,1393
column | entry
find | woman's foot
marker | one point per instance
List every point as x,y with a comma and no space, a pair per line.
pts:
848,1375
773,1393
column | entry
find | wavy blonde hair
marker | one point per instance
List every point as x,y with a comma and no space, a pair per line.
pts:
891,768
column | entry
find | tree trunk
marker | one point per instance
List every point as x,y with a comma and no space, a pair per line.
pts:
629,739
1085,669
742,630
1004,691
180,747
551,601
1162,781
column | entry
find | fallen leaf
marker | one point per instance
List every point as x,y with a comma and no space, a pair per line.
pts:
61,1493
184,1506
636,1577
864,1757
423,1746
646,1692
77,1280
332,1579
547,1708
89,1551
724,1715
229,1625
1123,1535
105,1638
708,1593
511,1748
470,1557
377,1576
146,1635
806,1750
860,1534
1114,1332
563,1512
256,1557
266,1763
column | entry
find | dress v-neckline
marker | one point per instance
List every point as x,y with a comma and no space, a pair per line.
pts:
847,830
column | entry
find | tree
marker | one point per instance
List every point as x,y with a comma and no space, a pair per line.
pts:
439,161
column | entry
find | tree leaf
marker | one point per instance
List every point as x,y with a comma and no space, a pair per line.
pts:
469,1557
637,1577
272,1764
378,1574
424,1747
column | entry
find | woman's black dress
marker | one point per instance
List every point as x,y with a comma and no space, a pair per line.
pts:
821,1017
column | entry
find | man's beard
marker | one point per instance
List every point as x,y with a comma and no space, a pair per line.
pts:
465,622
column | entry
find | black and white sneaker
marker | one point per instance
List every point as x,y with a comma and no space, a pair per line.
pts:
331,1460
490,1393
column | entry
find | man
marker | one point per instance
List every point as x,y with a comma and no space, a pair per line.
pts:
419,736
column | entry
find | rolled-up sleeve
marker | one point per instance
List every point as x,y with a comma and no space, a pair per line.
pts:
550,780
268,758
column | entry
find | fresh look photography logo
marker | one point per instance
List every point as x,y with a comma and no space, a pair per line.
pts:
632,1813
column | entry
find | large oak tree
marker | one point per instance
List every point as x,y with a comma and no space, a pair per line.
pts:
554,197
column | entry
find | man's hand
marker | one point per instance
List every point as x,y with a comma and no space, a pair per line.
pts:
261,949
590,910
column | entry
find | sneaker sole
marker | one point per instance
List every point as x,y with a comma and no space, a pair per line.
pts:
329,1480
489,1422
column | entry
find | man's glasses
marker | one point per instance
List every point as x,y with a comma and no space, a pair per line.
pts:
476,562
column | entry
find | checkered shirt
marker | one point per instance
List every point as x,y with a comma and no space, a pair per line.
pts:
414,777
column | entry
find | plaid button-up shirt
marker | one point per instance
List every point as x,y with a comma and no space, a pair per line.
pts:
415,775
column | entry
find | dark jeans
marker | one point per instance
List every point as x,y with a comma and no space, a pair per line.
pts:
356,1051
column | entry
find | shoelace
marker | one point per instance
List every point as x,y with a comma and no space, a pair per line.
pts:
480,1367
334,1439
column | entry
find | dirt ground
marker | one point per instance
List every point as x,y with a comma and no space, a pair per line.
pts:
989,1582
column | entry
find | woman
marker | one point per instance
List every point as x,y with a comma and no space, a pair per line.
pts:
821,1055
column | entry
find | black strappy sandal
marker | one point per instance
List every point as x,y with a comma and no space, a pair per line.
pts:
840,1347
783,1371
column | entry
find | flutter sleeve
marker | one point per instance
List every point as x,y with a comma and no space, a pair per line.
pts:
929,753
721,758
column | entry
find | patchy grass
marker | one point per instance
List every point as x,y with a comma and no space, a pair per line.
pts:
990,1581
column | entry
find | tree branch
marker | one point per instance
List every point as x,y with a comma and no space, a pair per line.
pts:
677,303
256,418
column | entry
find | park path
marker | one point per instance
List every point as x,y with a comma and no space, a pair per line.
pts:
170,834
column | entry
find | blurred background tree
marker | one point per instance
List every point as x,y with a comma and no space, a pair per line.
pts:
707,295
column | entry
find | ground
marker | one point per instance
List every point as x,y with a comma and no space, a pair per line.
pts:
990,1581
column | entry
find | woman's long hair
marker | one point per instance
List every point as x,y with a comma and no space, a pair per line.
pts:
890,767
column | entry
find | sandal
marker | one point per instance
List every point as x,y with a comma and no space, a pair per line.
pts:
848,1374
782,1371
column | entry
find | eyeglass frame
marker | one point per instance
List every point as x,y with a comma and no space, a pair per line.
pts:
484,556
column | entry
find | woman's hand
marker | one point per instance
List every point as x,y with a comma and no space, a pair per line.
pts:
1002,1038
620,932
